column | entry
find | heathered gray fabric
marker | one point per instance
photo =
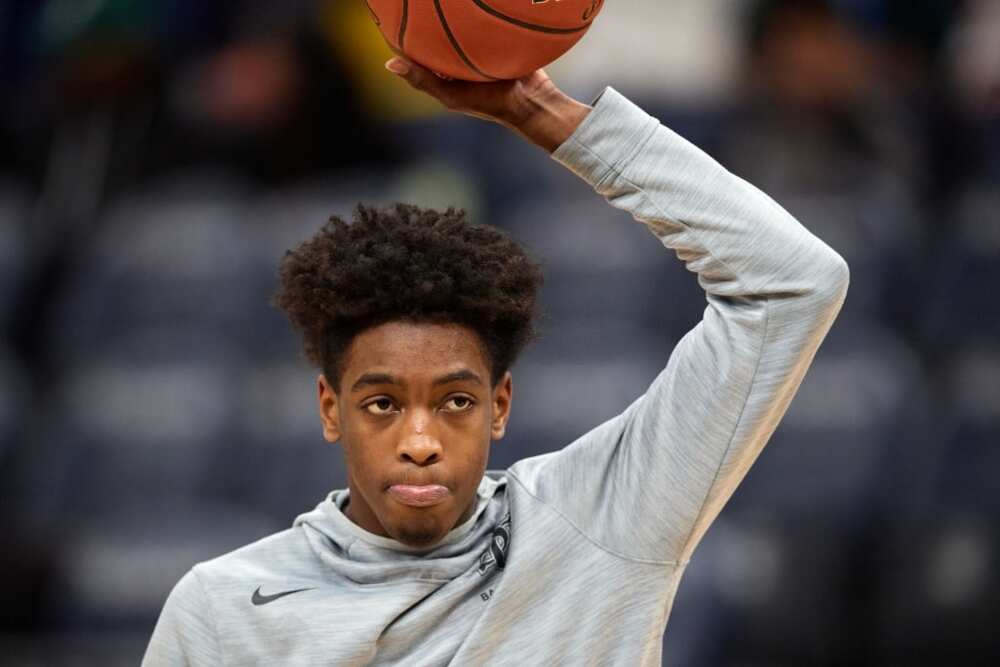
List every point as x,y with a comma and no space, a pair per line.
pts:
600,531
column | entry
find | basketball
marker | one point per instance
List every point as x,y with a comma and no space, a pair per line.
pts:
483,40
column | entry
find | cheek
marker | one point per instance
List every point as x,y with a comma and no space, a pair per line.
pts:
474,451
364,452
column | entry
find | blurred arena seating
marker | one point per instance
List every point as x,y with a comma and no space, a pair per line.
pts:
179,388
187,265
600,261
970,417
789,550
836,447
959,291
141,418
937,594
858,203
580,374
13,246
156,411
15,398
115,566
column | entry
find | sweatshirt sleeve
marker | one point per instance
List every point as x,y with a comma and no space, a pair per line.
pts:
648,483
185,632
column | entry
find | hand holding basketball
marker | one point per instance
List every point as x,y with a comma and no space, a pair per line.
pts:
532,105
502,102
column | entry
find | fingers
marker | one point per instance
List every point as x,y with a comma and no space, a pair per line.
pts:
483,100
420,77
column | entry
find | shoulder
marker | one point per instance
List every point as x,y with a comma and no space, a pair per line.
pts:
279,556
207,599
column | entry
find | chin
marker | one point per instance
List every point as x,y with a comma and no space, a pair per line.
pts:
418,539
420,533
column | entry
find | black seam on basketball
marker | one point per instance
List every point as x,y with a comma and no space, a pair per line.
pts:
529,26
402,23
455,45
378,21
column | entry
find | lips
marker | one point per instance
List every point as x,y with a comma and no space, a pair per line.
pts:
423,495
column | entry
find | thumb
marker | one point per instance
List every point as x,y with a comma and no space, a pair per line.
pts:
419,77
397,65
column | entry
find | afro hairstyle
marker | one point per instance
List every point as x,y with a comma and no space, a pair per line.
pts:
404,262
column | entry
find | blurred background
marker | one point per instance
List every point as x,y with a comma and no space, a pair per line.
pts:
158,157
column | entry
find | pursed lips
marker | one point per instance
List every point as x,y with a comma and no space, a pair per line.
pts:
419,495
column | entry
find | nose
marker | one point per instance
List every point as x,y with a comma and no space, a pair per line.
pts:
420,449
419,445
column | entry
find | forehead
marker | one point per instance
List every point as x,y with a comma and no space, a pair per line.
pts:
409,348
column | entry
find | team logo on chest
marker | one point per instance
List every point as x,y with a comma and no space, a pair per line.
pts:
496,554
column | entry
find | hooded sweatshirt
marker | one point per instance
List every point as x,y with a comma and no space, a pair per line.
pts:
572,557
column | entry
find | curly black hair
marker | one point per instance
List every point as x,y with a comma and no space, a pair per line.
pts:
404,262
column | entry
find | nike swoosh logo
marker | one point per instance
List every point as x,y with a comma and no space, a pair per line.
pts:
259,599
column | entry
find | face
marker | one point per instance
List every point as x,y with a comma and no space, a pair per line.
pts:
415,415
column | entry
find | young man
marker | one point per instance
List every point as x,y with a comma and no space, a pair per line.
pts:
415,316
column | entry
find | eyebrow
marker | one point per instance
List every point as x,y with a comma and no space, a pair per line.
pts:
374,378
369,379
463,374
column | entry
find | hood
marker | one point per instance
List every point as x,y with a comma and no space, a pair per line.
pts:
362,557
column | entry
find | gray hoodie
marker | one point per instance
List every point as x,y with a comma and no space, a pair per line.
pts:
572,557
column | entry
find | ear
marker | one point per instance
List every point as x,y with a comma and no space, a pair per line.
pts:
503,393
329,409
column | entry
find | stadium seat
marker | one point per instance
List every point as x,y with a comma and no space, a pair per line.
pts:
114,569
581,373
15,399
770,590
136,421
599,261
853,197
514,173
879,231
13,247
278,463
938,592
958,296
969,456
831,451
176,254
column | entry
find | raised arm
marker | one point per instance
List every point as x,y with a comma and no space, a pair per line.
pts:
648,483
662,471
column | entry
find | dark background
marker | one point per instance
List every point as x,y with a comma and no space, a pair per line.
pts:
158,157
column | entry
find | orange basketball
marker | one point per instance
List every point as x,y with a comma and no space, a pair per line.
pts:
483,40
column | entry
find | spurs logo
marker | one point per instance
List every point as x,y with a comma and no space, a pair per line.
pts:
588,13
496,554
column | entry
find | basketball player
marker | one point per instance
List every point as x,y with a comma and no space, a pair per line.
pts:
415,317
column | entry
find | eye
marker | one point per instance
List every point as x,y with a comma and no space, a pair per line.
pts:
380,406
458,404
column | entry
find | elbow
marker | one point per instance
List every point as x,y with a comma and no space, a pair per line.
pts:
834,279
840,275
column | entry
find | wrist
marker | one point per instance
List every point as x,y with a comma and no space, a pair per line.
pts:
547,118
